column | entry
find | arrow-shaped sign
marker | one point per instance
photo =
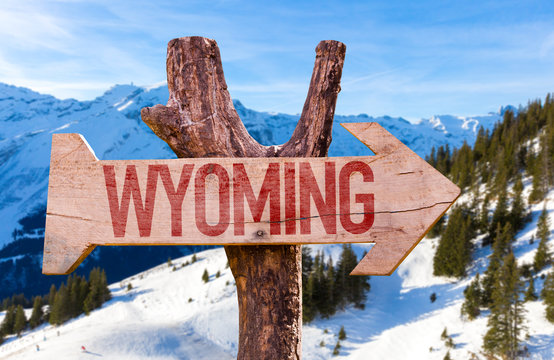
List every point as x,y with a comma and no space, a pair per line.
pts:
391,199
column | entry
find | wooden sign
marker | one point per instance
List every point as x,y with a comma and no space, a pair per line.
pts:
391,199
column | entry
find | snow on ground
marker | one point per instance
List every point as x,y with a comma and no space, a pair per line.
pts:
173,314
167,315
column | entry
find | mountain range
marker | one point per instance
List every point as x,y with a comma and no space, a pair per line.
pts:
112,125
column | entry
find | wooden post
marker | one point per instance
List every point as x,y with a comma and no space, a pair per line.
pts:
200,121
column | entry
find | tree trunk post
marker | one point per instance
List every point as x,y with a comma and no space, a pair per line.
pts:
199,120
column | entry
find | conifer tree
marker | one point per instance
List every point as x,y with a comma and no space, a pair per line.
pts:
94,296
454,251
530,294
499,216
320,292
98,291
505,323
540,172
308,284
327,303
501,248
20,320
51,296
37,314
307,263
349,289
60,309
437,229
472,293
447,356
336,349
205,276
342,333
309,311
547,294
444,334
105,290
74,288
542,255
483,222
517,210
8,323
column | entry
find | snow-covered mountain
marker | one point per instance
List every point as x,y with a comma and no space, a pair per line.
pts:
112,126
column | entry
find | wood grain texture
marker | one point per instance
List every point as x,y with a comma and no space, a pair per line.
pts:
246,201
200,121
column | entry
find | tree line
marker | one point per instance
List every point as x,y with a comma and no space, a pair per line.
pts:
326,287
70,300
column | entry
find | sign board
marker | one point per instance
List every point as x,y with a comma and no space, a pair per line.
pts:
391,199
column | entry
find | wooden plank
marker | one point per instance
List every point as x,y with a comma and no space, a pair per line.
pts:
390,199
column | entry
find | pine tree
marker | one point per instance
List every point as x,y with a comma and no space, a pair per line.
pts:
501,248
309,310
307,263
60,309
94,296
205,276
437,229
319,291
327,302
8,323
98,291
540,172
517,211
444,334
336,349
472,293
542,256
104,289
484,216
454,251
547,294
530,294
37,314
349,289
51,297
20,321
447,356
499,216
342,333
308,283
505,323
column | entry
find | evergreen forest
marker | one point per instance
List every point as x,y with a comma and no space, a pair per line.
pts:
492,173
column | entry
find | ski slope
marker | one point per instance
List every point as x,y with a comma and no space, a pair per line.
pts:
173,314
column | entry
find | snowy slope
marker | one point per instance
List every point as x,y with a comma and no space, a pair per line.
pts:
174,315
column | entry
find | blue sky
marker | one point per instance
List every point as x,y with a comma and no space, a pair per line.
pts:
404,58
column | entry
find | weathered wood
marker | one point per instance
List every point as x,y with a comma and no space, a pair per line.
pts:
200,120
390,199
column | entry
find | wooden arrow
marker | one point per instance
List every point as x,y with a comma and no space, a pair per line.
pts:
391,199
